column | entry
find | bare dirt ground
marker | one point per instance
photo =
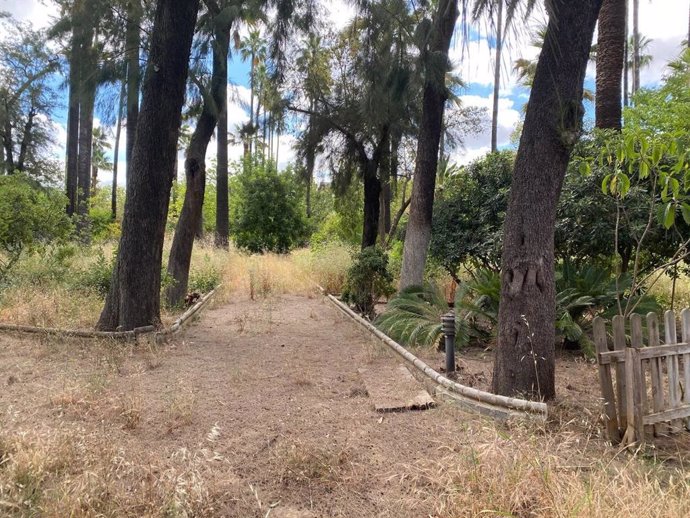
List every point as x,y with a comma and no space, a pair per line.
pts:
258,410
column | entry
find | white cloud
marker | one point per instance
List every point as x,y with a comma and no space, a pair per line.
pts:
39,14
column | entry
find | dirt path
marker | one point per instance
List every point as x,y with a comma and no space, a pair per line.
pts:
255,410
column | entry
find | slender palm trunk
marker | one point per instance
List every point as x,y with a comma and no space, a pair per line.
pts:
418,233
525,354
116,152
636,46
132,44
220,62
134,297
88,99
72,147
497,76
610,59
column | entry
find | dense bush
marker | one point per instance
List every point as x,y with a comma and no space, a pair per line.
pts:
30,218
469,213
367,280
266,212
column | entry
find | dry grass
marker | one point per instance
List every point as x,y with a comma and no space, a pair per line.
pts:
533,472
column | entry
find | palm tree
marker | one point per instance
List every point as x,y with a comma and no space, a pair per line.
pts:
610,60
253,48
99,159
313,65
502,14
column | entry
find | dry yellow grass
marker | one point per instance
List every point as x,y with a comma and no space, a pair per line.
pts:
45,293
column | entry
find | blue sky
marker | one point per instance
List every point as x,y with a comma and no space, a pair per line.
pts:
659,21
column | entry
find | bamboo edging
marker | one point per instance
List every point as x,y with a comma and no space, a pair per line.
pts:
537,409
115,335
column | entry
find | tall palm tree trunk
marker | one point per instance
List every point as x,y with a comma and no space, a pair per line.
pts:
418,233
132,43
134,296
636,46
525,354
72,147
609,67
220,65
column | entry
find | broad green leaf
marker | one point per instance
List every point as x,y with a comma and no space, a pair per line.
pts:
669,215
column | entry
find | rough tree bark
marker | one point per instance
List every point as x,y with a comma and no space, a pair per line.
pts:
132,43
86,107
134,296
636,46
195,174
372,191
72,147
220,66
525,355
372,186
418,232
610,59
190,216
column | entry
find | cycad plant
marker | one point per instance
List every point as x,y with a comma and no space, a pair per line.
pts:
413,317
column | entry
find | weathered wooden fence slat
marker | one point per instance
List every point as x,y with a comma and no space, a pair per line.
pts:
650,390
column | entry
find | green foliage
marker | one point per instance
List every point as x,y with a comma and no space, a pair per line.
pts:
98,275
30,218
344,223
266,212
413,316
469,213
205,278
368,279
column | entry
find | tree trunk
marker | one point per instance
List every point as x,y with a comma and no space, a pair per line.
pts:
7,146
310,156
26,139
132,43
372,191
116,151
626,60
134,297
418,233
610,59
636,46
190,217
88,99
497,77
72,147
525,354
385,196
220,67
395,164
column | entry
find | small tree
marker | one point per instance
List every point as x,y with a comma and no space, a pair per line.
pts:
368,279
29,218
267,214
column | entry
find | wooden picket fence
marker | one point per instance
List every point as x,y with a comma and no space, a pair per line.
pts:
644,386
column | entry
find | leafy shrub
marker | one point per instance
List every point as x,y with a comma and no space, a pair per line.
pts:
367,280
413,317
205,278
98,275
103,228
30,218
267,216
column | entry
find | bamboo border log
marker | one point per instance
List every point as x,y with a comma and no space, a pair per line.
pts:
534,408
114,335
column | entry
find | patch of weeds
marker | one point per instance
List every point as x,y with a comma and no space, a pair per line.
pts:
180,407
205,278
313,465
130,408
